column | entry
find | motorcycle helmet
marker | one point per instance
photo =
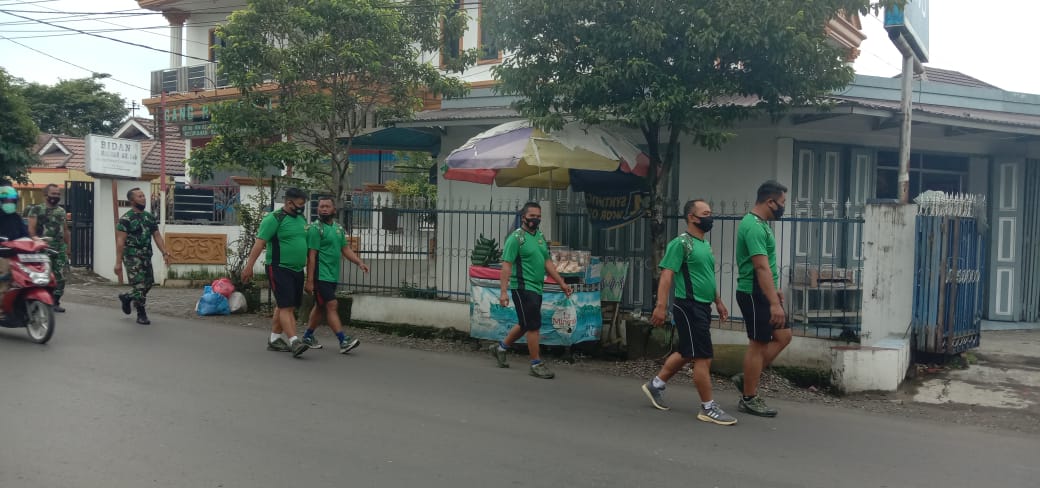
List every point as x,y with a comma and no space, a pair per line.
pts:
8,199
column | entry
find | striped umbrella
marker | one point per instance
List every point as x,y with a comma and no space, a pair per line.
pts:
515,154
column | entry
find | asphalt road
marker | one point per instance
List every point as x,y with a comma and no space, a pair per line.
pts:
180,403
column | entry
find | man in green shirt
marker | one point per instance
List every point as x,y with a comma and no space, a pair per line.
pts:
327,245
525,261
758,295
690,257
284,234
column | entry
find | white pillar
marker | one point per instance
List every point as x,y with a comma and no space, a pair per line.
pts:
176,19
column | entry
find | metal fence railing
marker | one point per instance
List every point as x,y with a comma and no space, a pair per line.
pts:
203,205
421,249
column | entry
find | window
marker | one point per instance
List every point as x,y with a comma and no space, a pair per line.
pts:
452,47
489,54
928,172
214,41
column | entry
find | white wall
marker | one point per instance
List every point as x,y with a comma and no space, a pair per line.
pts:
889,234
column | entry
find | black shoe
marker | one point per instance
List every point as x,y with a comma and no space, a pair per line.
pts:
57,307
142,316
125,299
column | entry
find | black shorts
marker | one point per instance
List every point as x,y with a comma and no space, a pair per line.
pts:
324,291
693,322
287,286
755,309
528,309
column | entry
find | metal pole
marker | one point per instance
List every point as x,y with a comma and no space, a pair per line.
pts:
162,175
904,134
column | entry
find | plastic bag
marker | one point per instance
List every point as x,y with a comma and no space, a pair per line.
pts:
237,302
213,303
224,287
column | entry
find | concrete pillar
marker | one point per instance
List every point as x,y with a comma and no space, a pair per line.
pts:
882,358
176,19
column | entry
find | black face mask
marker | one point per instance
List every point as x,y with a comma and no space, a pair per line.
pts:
778,212
327,218
705,224
286,208
533,223
139,207
53,200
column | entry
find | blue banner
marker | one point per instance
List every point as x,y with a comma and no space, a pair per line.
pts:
564,321
613,199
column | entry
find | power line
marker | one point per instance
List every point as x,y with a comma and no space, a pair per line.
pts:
106,37
73,64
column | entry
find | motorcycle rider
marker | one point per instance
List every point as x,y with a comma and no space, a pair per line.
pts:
11,226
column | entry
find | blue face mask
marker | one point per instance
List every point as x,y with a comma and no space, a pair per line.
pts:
9,208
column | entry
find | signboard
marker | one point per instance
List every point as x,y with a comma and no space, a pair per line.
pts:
200,130
912,22
109,156
612,285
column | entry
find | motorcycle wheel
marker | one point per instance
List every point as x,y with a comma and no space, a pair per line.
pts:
39,321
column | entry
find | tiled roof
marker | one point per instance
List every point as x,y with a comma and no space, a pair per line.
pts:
951,77
152,157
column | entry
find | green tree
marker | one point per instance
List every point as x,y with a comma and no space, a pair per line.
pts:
416,167
75,107
666,67
17,132
337,64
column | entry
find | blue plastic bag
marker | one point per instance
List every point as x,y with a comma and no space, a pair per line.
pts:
213,303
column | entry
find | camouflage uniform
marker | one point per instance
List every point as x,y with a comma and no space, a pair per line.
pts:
50,222
137,254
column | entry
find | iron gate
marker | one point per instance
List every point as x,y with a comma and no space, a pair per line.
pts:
79,195
949,259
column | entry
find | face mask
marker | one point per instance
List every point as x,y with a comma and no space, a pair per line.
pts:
53,200
533,223
139,207
705,224
9,208
778,212
291,210
327,218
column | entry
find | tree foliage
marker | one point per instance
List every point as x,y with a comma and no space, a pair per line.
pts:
416,167
17,132
318,71
668,68
75,107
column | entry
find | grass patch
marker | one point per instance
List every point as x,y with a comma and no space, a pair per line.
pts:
416,331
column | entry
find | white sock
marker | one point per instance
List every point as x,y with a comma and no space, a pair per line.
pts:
275,337
658,383
293,339
706,405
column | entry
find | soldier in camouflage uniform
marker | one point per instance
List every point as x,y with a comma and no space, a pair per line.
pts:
134,236
49,221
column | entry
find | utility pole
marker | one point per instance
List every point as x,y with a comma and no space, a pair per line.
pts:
162,173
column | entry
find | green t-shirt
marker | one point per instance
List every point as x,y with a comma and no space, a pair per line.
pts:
754,238
329,240
286,237
528,254
700,264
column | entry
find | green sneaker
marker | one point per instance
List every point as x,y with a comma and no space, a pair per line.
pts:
312,342
278,345
298,348
756,406
542,371
500,356
348,344
738,381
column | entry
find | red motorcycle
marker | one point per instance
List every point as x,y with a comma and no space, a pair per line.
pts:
29,298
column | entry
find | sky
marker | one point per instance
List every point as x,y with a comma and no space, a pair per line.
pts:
965,36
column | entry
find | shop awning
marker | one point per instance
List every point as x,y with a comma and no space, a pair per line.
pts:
417,139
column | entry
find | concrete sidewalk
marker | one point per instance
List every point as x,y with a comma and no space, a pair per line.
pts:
1005,374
